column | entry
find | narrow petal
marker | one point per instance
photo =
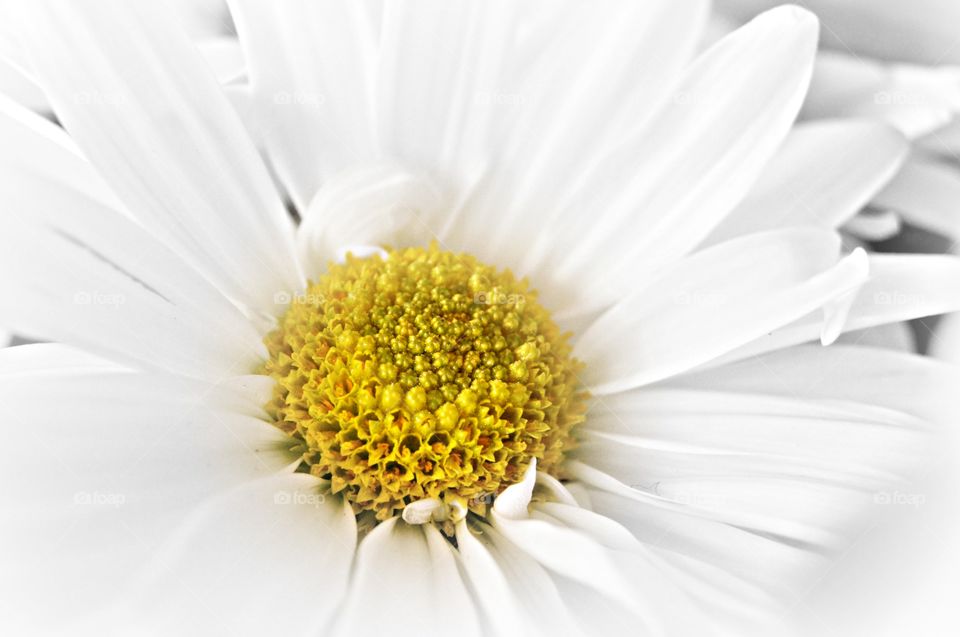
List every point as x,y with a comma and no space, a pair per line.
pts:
502,609
701,432
312,68
96,479
663,189
541,136
411,574
917,100
535,591
909,383
712,302
920,31
901,287
377,205
134,92
94,277
824,174
277,541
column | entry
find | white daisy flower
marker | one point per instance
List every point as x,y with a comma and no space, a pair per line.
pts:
366,424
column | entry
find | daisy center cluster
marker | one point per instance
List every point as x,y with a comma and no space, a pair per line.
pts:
425,374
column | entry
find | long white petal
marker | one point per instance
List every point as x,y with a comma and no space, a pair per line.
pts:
376,205
140,101
598,74
312,68
412,574
658,194
98,465
712,302
271,556
89,275
908,383
824,174
901,287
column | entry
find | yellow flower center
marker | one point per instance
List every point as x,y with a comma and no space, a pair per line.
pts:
426,374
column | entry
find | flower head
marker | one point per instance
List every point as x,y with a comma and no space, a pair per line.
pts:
367,421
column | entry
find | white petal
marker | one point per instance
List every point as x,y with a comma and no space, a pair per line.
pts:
921,31
311,65
541,136
825,172
513,502
906,382
95,478
532,588
374,205
874,226
712,302
742,568
94,277
271,556
914,99
926,193
901,287
224,56
660,193
603,558
411,574
572,554
681,432
145,108
501,607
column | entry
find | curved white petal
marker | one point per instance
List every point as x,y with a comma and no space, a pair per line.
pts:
410,574
598,74
874,226
98,465
659,193
135,94
921,31
905,382
503,612
312,68
534,590
672,432
373,205
515,499
824,173
271,556
713,302
915,99
89,275
901,287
